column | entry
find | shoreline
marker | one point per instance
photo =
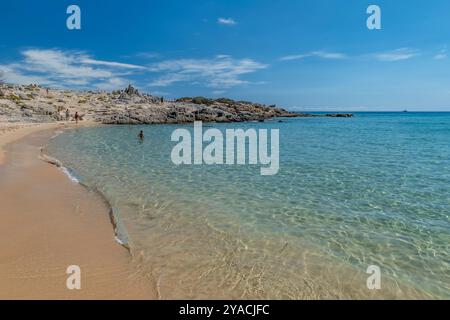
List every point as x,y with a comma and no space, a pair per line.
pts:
120,234
26,144
118,231
20,131
49,223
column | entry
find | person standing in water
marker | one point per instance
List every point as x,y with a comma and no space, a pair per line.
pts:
141,135
76,117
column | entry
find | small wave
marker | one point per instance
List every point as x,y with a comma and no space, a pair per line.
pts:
69,174
57,133
49,159
122,243
120,232
121,235
59,164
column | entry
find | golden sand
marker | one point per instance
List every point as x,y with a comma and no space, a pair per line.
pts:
48,223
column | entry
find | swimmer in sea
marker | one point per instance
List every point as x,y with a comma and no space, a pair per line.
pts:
141,135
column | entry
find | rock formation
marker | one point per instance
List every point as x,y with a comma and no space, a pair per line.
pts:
33,103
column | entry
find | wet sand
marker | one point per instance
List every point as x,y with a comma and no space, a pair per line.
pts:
48,223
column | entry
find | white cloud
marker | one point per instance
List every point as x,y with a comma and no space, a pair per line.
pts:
67,69
294,57
112,84
329,55
9,74
389,56
60,64
226,21
222,56
110,64
316,54
441,55
76,69
397,55
168,80
220,72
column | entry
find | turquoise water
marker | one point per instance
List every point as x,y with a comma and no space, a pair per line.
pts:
368,190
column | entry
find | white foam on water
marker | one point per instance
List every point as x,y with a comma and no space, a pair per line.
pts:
57,133
122,243
71,177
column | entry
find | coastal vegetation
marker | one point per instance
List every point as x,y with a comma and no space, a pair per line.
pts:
127,106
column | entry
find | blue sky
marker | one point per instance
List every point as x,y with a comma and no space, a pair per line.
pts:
306,55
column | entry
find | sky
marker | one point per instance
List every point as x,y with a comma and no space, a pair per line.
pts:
312,55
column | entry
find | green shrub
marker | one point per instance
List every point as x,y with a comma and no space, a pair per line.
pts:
184,99
202,100
14,98
225,100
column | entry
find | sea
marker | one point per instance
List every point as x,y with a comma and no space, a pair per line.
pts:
359,209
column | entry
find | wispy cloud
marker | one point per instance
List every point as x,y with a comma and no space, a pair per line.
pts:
441,55
11,74
294,57
66,69
60,64
222,71
388,56
397,55
112,84
169,79
226,21
77,69
316,54
110,64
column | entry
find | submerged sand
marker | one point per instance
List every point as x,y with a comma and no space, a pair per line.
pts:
48,223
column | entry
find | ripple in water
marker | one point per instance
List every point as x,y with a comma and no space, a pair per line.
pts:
371,190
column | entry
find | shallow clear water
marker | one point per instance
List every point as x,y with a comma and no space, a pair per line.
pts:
369,190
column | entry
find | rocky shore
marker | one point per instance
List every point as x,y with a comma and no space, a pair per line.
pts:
33,103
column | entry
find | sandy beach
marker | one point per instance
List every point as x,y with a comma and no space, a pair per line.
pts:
48,223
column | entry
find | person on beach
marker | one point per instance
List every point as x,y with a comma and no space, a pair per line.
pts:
67,115
141,135
76,117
